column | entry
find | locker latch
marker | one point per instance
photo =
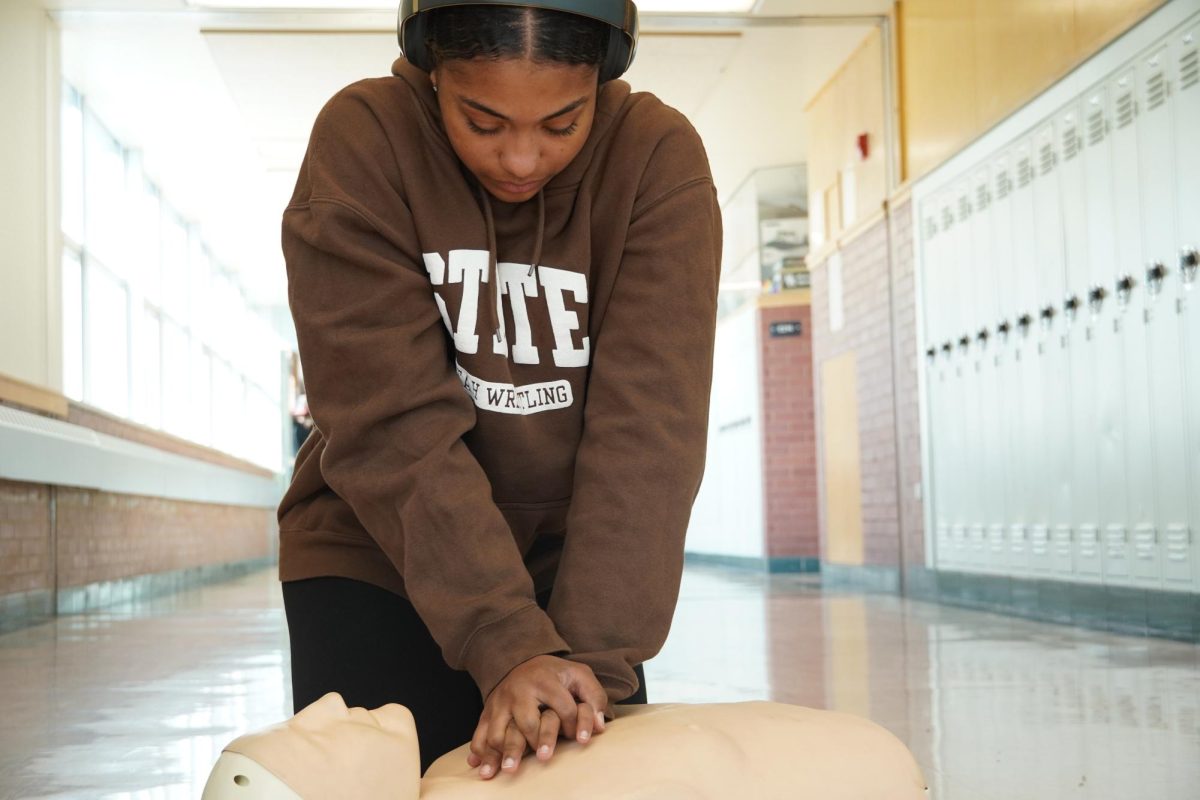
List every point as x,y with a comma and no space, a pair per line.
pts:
1003,328
1023,322
1188,259
1096,297
947,347
931,353
1047,315
1125,286
1155,273
982,336
964,342
1071,307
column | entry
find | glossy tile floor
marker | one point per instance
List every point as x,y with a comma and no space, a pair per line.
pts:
136,702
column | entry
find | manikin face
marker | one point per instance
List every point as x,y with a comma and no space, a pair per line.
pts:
514,123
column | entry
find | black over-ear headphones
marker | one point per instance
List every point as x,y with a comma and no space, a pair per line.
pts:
621,16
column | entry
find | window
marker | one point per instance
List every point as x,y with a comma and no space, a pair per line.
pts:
155,327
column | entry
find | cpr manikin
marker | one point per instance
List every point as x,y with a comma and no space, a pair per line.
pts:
658,751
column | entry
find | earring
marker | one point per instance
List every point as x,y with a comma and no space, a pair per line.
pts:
435,87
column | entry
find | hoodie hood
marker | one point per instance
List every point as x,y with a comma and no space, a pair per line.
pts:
610,96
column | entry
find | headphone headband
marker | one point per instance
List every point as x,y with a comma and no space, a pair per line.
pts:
619,15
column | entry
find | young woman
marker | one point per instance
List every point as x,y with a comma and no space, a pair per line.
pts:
503,272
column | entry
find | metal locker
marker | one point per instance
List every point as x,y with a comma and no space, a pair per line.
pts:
1181,556
1102,316
1131,297
1004,338
991,477
1031,464
936,366
1162,311
1081,352
1054,442
965,301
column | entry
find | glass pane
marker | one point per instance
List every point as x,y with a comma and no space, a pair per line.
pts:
229,413
175,267
201,394
176,357
72,165
104,196
148,241
147,369
72,325
107,331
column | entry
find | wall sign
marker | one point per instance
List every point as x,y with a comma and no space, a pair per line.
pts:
786,329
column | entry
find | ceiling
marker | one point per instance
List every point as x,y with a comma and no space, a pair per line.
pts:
221,102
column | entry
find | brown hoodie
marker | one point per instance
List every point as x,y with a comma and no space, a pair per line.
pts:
465,467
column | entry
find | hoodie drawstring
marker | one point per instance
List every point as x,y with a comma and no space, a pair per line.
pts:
493,267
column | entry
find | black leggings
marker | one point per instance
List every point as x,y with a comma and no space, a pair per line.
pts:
370,645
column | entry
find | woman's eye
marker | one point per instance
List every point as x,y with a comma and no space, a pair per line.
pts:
567,131
484,131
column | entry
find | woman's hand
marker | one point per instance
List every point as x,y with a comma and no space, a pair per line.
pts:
534,703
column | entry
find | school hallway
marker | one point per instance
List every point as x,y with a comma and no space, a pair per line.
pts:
137,701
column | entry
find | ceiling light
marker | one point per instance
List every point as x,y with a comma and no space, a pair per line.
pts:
648,6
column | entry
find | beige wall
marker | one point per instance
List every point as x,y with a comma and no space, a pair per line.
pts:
852,102
966,64
29,305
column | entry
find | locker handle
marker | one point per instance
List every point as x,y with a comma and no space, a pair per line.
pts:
1048,313
1003,328
947,347
1024,321
982,336
1155,273
1188,260
1071,306
1125,286
1096,297
931,353
964,342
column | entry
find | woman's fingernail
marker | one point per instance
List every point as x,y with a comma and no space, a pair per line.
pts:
486,770
509,762
600,720
544,750
583,736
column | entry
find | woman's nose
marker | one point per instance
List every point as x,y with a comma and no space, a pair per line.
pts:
519,158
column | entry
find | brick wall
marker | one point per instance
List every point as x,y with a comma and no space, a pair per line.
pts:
25,562
884,343
908,367
789,433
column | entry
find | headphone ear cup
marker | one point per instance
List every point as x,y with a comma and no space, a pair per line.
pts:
616,56
412,42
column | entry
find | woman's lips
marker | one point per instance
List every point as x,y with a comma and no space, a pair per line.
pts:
518,188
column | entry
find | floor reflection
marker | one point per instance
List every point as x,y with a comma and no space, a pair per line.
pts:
136,702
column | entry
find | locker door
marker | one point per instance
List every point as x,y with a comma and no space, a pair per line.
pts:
991,490
1015,545
1031,461
1182,550
1156,169
1131,299
966,270
934,309
1104,322
1052,352
1081,355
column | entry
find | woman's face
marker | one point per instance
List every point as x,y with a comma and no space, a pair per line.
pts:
515,124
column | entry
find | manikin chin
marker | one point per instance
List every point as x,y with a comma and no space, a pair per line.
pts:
755,750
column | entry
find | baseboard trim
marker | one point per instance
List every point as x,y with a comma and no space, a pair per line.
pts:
775,565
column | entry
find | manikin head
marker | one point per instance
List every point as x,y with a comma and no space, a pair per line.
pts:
517,90
325,751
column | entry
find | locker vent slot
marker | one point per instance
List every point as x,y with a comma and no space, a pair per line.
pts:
964,208
1095,128
1024,172
1189,69
1046,156
1070,143
947,218
1156,91
1125,109
983,198
1003,185
931,228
